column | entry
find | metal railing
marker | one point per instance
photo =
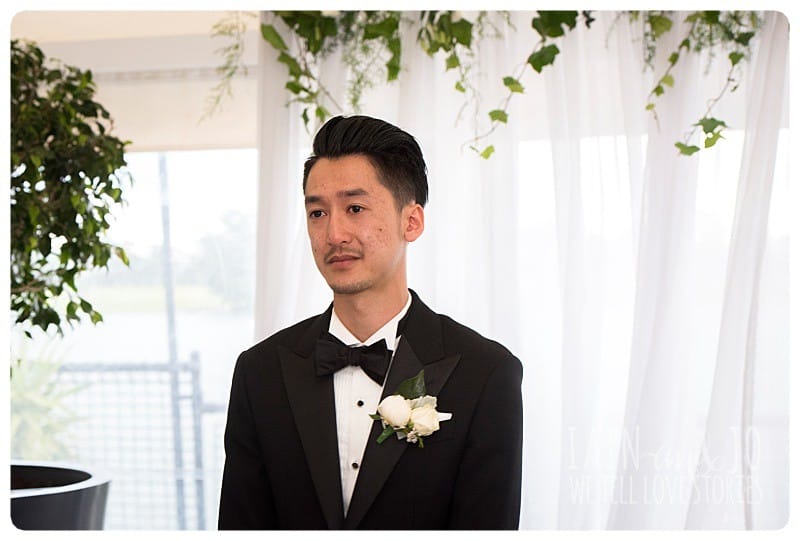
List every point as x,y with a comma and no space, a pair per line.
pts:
145,424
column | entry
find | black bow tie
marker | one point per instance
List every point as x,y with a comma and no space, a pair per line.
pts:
332,355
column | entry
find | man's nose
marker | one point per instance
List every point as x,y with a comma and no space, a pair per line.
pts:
338,231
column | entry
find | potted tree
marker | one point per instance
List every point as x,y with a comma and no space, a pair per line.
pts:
67,174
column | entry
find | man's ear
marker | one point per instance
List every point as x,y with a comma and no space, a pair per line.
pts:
413,221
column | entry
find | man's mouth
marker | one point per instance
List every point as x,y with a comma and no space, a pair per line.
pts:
341,259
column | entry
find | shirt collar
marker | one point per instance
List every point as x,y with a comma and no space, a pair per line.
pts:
388,332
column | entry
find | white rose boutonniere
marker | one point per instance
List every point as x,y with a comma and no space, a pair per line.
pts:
410,413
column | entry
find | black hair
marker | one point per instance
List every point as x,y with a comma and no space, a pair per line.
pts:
395,154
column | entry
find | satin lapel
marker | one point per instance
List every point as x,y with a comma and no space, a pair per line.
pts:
380,459
311,399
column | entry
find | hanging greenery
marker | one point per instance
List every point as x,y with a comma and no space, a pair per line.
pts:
371,47
731,31
66,178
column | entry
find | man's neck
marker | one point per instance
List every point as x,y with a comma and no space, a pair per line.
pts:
364,313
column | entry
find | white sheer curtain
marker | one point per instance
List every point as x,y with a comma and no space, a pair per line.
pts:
645,292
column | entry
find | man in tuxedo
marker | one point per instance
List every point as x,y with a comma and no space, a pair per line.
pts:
301,447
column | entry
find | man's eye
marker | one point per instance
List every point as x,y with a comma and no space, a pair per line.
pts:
356,209
315,214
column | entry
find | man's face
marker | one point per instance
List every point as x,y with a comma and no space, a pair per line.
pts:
358,235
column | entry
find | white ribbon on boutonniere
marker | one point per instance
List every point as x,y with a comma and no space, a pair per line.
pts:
409,413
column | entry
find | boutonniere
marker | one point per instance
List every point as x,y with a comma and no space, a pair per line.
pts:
409,413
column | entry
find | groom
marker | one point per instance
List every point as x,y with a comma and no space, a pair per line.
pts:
301,447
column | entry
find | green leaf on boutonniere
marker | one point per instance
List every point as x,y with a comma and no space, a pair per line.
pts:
388,431
413,387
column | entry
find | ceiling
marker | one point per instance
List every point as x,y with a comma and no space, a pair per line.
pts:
154,71
64,26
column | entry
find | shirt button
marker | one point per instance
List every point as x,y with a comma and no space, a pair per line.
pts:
354,465
360,403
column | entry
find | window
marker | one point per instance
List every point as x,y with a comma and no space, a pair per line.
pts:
152,380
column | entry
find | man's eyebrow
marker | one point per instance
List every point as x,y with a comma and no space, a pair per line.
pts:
357,192
343,194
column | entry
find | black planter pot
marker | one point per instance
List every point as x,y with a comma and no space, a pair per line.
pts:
55,496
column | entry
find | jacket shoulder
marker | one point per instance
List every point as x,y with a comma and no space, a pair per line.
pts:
288,337
458,338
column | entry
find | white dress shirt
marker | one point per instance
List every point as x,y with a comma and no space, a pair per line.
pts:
356,397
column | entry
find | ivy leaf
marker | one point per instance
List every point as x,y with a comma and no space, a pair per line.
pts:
322,113
452,62
273,38
498,115
462,32
650,107
383,29
659,90
543,57
673,58
328,26
693,17
413,387
744,38
549,23
294,68
513,84
712,139
294,87
668,80
487,152
735,57
659,24
460,87
393,64
710,124
687,150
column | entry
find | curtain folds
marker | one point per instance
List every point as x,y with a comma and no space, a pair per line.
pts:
645,292
732,430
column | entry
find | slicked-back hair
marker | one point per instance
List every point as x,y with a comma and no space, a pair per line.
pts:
394,153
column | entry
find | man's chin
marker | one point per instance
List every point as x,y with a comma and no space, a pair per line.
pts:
348,288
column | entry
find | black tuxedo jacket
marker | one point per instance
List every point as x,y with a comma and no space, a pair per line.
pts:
282,466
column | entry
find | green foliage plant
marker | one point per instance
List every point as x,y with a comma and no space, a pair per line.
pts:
303,38
67,175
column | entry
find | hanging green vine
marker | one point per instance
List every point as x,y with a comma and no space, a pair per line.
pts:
709,30
371,45
232,28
